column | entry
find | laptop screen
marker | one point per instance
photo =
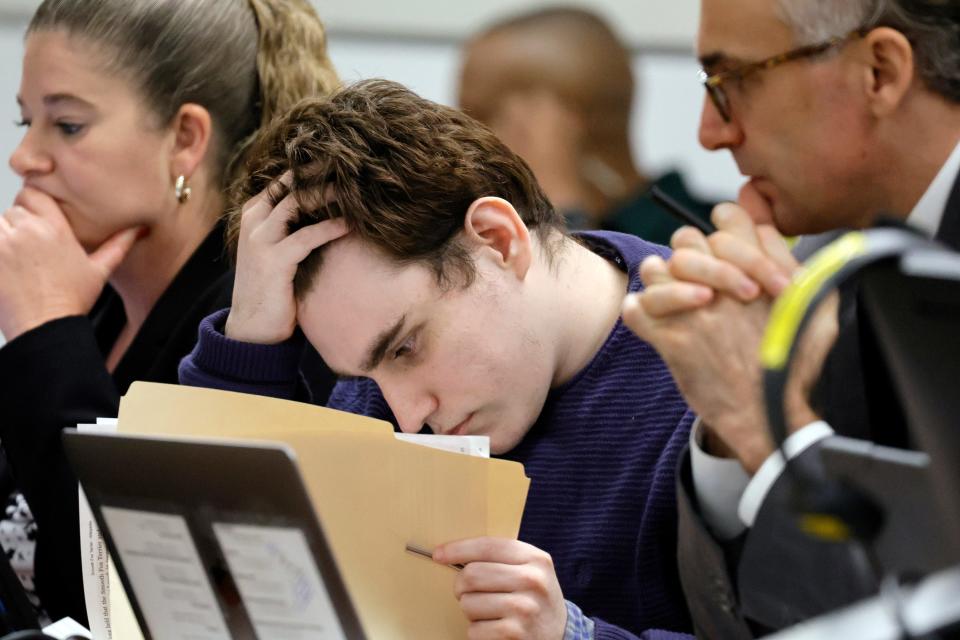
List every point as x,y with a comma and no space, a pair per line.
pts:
213,540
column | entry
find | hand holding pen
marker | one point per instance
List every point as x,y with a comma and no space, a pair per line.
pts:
506,588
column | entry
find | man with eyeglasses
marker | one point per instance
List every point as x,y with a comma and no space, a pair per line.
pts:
835,111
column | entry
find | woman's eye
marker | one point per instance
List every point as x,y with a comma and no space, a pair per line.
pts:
23,122
69,128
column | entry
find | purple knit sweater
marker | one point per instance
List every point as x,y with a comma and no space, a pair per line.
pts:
601,459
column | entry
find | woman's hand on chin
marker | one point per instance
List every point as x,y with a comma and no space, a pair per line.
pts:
45,273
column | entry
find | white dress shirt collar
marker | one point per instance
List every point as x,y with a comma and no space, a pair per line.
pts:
928,212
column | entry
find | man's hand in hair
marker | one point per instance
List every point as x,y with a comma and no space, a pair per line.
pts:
263,310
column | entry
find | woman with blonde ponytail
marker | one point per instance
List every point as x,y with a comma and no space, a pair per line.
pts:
137,113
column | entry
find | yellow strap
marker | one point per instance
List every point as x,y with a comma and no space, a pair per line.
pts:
790,306
825,527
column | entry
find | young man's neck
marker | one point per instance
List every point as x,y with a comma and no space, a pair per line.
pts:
585,306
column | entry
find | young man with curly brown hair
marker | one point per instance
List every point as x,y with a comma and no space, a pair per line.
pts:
419,256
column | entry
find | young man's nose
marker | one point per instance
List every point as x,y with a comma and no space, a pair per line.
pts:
411,407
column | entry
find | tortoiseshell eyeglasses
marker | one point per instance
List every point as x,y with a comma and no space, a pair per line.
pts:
714,83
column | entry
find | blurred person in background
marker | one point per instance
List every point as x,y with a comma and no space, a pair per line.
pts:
556,85
136,114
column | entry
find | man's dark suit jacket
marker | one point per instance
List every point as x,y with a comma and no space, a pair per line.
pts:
773,576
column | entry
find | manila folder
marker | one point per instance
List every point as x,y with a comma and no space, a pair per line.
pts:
373,494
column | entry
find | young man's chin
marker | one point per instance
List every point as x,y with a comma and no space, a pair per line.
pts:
501,443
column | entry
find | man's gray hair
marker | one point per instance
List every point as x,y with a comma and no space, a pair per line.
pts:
931,26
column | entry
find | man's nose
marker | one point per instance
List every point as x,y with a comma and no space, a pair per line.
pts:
716,133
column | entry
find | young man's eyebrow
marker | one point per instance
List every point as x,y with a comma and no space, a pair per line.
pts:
379,348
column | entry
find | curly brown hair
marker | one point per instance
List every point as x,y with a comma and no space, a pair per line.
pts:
402,171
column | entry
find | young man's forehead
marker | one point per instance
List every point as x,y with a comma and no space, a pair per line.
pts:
358,273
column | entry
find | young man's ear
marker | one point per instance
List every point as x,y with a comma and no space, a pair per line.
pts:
493,224
192,133
891,69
